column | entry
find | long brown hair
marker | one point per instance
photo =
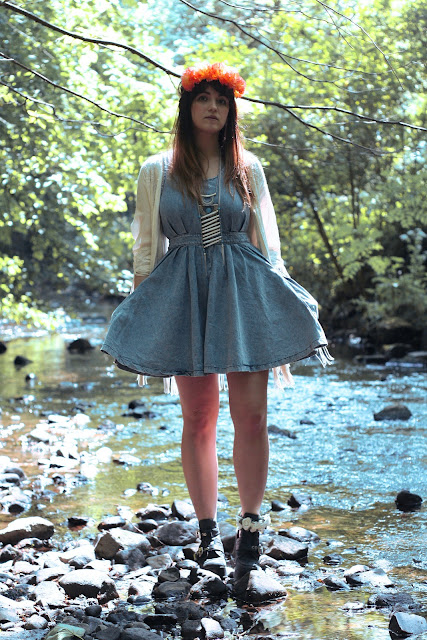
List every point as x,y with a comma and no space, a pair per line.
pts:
186,168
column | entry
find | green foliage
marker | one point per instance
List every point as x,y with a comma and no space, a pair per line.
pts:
352,217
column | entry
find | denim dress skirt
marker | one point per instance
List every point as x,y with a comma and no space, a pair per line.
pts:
210,310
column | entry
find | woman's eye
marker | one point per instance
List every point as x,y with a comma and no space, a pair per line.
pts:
223,103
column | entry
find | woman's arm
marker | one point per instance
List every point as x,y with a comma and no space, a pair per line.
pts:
142,227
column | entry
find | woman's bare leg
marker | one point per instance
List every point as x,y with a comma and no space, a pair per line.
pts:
248,409
200,406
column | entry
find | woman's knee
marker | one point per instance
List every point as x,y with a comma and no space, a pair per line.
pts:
251,424
200,424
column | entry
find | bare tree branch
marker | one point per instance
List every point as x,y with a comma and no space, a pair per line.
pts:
327,8
79,36
81,97
288,108
359,116
285,57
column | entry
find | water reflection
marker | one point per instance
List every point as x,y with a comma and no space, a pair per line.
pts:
352,466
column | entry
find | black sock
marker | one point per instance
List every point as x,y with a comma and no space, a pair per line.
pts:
207,524
253,516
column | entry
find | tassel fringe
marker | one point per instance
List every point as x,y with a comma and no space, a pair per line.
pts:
142,380
283,378
324,356
170,387
222,380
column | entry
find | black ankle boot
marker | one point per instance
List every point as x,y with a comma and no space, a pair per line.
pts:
247,549
210,554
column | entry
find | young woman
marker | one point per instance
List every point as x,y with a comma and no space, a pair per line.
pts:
212,301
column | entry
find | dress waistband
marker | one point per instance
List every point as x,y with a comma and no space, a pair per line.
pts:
232,237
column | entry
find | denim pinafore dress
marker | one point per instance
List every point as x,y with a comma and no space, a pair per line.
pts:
212,309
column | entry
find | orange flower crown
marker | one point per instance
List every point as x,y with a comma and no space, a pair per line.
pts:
228,76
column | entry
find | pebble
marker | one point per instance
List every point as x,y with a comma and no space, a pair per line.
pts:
406,624
257,587
407,501
281,548
358,576
297,500
393,412
85,583
80,345
177,533
392,600
278,505
300,534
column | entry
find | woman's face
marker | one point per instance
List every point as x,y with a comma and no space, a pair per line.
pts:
209,111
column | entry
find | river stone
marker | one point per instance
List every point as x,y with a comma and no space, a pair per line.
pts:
21,361
393,412
407,501
209,586
22,528
298,499
8,479
281,548
171,574
277,505
397,350
333,559
183,610
177,533
89,583
406,624
35,622
24,567
111,522
273,429
49,594
80,555
161,620
8,615
141,589
211,629
370,577
228,536
183,510
153,512
80,345
42,575
162,561
109,543
333,583
9,553
389,600
133,558
172,590
257,587
191,629
147,525
138,633
300,534
107,633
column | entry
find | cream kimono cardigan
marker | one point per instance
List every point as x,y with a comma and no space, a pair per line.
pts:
151,244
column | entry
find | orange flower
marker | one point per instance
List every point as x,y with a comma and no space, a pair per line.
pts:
228,76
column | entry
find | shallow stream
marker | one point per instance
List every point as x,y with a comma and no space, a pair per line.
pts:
351,465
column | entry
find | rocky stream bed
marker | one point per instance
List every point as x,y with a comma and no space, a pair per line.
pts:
97,535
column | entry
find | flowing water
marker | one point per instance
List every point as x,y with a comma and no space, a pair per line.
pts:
351,466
